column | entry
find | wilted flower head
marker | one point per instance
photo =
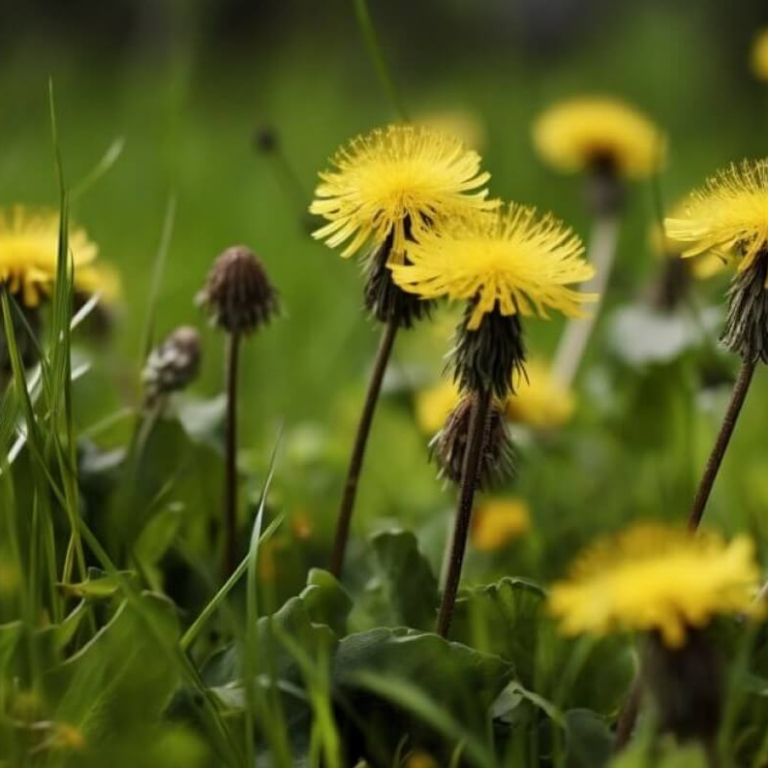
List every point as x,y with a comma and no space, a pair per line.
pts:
29,246
656,578
760,55
238,294
507,262
594,133
394,183
172,365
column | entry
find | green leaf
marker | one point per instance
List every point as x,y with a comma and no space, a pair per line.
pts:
589,741
98,586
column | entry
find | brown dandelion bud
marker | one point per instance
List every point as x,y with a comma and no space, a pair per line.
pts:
238,294
746,324
450,444
172,365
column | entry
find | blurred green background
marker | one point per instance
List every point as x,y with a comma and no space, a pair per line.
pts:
187,84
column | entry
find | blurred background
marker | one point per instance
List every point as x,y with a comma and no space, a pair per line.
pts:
190,84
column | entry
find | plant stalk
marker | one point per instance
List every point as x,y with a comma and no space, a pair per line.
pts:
469,476
358,449
230,458
575,338
738,395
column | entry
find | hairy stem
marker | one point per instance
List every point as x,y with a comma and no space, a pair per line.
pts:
575,338
229,561
358,449
738,395
469,477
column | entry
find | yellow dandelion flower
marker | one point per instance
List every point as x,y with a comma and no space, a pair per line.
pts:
540,400
509,261
664,245
434,404
580,133
728,216
29,243
760,55
395,182
461,123
654,577
497,522
99,278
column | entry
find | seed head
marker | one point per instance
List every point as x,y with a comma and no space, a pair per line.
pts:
450,444
173,365
238,294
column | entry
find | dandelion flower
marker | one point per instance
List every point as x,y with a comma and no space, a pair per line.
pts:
728,216
760,55
464,124
29,245
396,182
434,404
594,132
498,522
508,262
656,578
540,400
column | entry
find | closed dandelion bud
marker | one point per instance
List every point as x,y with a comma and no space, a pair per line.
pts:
238,294
685,685
450,444
173,365
746,324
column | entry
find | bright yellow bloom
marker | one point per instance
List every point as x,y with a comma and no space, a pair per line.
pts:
654,577
760,55
395,179
29,242
508,261
702,267
575,135
497,522
99,278
540,400
434,404
728,216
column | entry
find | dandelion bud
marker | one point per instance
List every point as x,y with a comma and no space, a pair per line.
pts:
173,365
238,294
746,324
450,444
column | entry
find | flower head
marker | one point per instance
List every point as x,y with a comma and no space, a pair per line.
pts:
434,404
540,400
497,522
29,245
592,132
510,262
653,577
760,55
728,216
395,182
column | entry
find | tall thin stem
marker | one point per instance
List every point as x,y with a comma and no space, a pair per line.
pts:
377,56
230,458
575,338
358,449
469,476
738,395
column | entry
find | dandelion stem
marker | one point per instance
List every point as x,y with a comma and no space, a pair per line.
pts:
358,450
575,338
377,57
738,395
628,716
230,458
469,475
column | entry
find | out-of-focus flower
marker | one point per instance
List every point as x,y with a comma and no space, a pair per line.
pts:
434,404
656,578
464,124
760,55
497,522
540,400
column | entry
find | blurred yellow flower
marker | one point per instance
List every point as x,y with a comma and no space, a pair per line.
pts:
540,400
396,182
655,577
434,404
29,242
497,522
580,133
462,123
728,216
420,760
99,278
662,244
67,737
760,55
508,261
